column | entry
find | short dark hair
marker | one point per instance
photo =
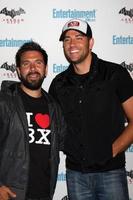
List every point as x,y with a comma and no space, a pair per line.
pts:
30,46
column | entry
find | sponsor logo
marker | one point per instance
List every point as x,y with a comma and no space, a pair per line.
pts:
12,42
128,15
130,173
12,13
129,67
11,67
12,16
122,40
88,15
59,68
61,176
11,70
65,198
74,23
130,176
126,12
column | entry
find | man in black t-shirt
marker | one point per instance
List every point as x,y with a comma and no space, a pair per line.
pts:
95,96
32,131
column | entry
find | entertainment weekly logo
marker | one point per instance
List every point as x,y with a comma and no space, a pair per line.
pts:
11,42
88,15
12,16
127,15
130,149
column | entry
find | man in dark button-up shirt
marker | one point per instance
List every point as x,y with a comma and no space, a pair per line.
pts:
96,97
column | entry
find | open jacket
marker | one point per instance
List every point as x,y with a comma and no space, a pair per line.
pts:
14,140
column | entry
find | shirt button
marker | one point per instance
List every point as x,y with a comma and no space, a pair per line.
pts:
81,86
80,101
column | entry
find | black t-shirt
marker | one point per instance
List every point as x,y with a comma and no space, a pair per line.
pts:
39,145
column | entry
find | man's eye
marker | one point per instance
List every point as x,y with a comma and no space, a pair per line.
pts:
25,64
66,39
39,62
79,37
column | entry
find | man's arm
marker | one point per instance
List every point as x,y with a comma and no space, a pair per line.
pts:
5,192
126,138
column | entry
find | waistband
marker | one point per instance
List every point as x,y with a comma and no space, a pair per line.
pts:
43,198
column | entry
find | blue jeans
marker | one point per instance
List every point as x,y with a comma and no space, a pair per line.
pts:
110,185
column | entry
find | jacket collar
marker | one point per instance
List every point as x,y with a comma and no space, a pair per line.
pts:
11,88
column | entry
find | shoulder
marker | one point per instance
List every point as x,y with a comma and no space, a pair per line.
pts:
6,105
112,69
58,82
109,65
61,76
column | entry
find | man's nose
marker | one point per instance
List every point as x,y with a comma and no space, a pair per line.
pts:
32,66
72,42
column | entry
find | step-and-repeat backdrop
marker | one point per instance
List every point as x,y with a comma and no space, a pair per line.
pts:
42,21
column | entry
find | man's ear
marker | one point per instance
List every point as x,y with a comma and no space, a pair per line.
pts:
18,72
46,70
91,43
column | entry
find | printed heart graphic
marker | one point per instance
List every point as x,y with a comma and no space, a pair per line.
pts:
42,120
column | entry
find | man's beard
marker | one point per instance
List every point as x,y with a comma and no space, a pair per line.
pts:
78,61
33,84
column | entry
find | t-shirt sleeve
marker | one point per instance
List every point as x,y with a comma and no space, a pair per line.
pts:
124,85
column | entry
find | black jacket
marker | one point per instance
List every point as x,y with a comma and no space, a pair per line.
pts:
14,141
91,104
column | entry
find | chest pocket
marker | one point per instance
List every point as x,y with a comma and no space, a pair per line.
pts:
100,97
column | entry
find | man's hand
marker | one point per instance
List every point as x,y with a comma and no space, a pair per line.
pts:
6,193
